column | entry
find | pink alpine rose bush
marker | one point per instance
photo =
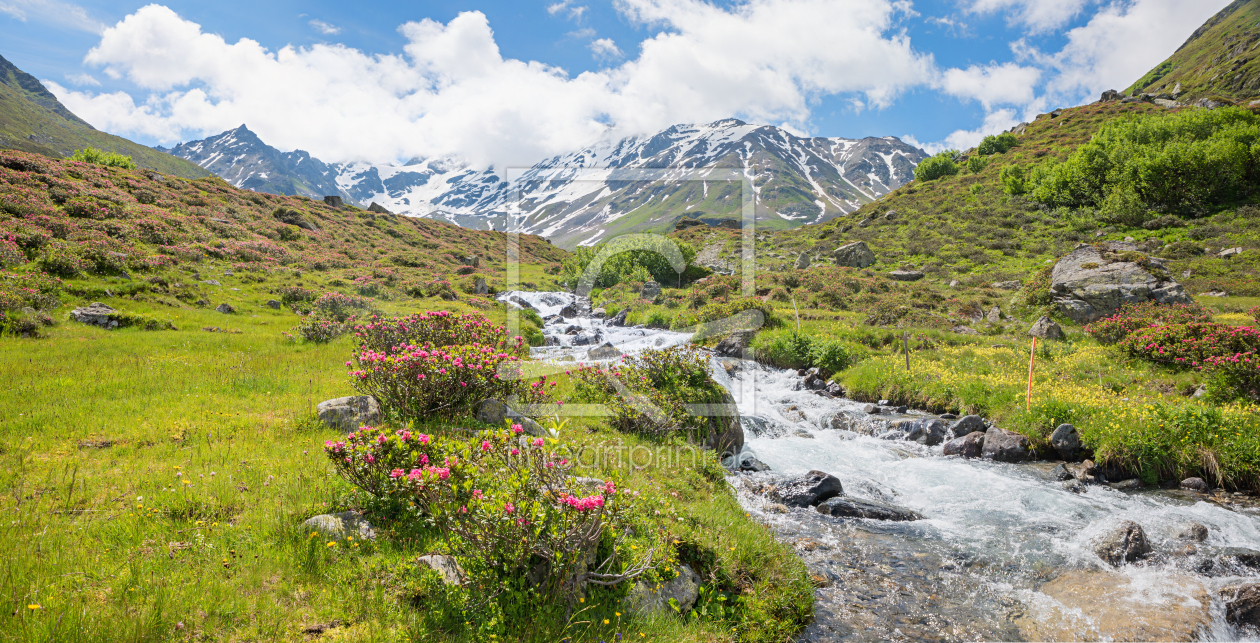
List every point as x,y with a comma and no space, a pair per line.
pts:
1255,313
438,328
413,382
1234,377
1190,345
1133,317
505,504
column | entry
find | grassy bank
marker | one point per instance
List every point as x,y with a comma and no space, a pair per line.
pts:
157,481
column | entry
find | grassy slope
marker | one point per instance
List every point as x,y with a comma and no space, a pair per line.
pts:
211,218
32,120
1218,61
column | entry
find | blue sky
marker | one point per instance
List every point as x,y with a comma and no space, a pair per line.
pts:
513,82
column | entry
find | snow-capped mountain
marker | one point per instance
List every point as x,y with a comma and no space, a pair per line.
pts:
596,192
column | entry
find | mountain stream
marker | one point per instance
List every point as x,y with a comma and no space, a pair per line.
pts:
1003,550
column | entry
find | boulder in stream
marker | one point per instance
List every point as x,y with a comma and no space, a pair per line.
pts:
1194,531
807,490
606,351
967,424
1122,543
1005,446
845,507
1242,603
927,432
735,344
1196,484
1096,605
619,319
968,446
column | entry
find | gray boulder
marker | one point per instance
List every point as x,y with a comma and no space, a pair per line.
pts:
1094,281
340,525
1123,543
619,319
598,313
683,589
274,304
651,290
1085,471
446,566
968,424
492,411
802,261
587,338
845,507
480,287
226,309
994,316
606,351
1005,446
1196,484
94,314
1045,328
807,490
1196,531
906,275
349,413
1067,441
854,255
968,446
1007,285
927,432
748,463
735,344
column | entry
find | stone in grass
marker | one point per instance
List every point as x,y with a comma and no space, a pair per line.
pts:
340,525
226,309
1067,441
446,567
349,413
492,411
1046,328
94,314
807,490
274,304
682,589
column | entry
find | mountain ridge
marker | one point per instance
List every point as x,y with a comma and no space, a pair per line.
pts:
577,198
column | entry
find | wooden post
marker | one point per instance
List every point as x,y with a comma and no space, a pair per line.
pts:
1032,359
905,344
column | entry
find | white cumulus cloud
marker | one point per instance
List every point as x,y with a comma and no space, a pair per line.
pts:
54,12
993,84
604,48
1037,16
325,28
452,92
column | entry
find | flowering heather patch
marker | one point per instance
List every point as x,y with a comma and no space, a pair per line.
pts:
1132,317
669,380
414,382
438,328
338,307
1190,345
1255,313
10,252
502,500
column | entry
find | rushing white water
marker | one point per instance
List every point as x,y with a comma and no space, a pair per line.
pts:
993,533
627,340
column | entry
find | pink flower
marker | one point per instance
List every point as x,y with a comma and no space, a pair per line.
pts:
424,439
477,493
516,451
516,429
509,508
424,459
396,473
538,442
485,445
610,488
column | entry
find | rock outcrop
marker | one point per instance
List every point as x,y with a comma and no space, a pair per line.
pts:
1005,446
94,314
1094,281
1123,543
968,446
340,525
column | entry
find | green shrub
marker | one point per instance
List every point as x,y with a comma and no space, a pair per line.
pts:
975,164
649,393
934,167
1180,163
999,144
1013,180
830,356
635,261
98,157
1190,345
